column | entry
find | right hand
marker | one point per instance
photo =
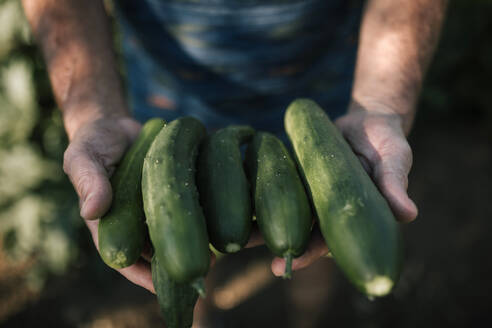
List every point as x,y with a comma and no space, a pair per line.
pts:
94,150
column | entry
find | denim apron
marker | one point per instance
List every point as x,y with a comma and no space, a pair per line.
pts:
237,61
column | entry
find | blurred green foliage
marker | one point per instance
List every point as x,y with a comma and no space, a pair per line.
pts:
38,208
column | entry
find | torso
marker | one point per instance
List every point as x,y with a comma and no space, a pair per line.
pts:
239,60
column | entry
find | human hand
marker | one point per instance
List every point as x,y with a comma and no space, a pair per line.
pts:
378,137
94,150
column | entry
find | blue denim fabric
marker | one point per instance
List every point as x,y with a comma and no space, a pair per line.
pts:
237,61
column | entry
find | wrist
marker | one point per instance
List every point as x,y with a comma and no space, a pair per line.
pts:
402,113
81,114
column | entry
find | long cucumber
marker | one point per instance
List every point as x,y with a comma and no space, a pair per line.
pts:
122,229
224,188
176,222
282,207
176,301
355,220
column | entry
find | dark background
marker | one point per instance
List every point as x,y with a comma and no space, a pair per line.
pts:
51,275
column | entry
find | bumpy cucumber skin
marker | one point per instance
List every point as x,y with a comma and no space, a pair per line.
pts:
355,220
224,188
177,301
282,207
121,231
176,222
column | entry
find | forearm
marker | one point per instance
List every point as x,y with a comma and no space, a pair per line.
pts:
75,38
397,40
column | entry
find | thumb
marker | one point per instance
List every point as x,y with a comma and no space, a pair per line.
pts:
391,176
90,180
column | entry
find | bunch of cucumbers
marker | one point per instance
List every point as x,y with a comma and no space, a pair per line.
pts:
189,189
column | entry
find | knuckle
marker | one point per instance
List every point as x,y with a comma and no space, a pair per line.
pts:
81,182
393,174
407,152
77,167
405,156
391,177
82,179
68,157
396,154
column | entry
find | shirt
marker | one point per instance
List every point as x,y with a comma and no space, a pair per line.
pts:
237,61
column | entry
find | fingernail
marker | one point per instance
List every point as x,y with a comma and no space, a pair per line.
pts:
414,211
83,208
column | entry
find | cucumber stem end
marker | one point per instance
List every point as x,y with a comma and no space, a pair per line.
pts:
288,266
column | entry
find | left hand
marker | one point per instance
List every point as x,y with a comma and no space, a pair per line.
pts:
377,137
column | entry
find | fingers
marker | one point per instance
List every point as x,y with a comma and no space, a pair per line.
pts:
88,160
316,249
140,274
379,142
90,180
91,157
391,176
393,189
255,239
92,225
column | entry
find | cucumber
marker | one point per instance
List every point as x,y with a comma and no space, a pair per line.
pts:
176,222
355,220
224,189
122,229
176,301
282,207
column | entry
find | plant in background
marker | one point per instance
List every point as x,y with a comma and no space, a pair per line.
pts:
38,208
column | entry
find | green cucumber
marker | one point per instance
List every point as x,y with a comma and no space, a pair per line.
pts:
176,222
282,207
224,189
122,229
176,301
355,220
